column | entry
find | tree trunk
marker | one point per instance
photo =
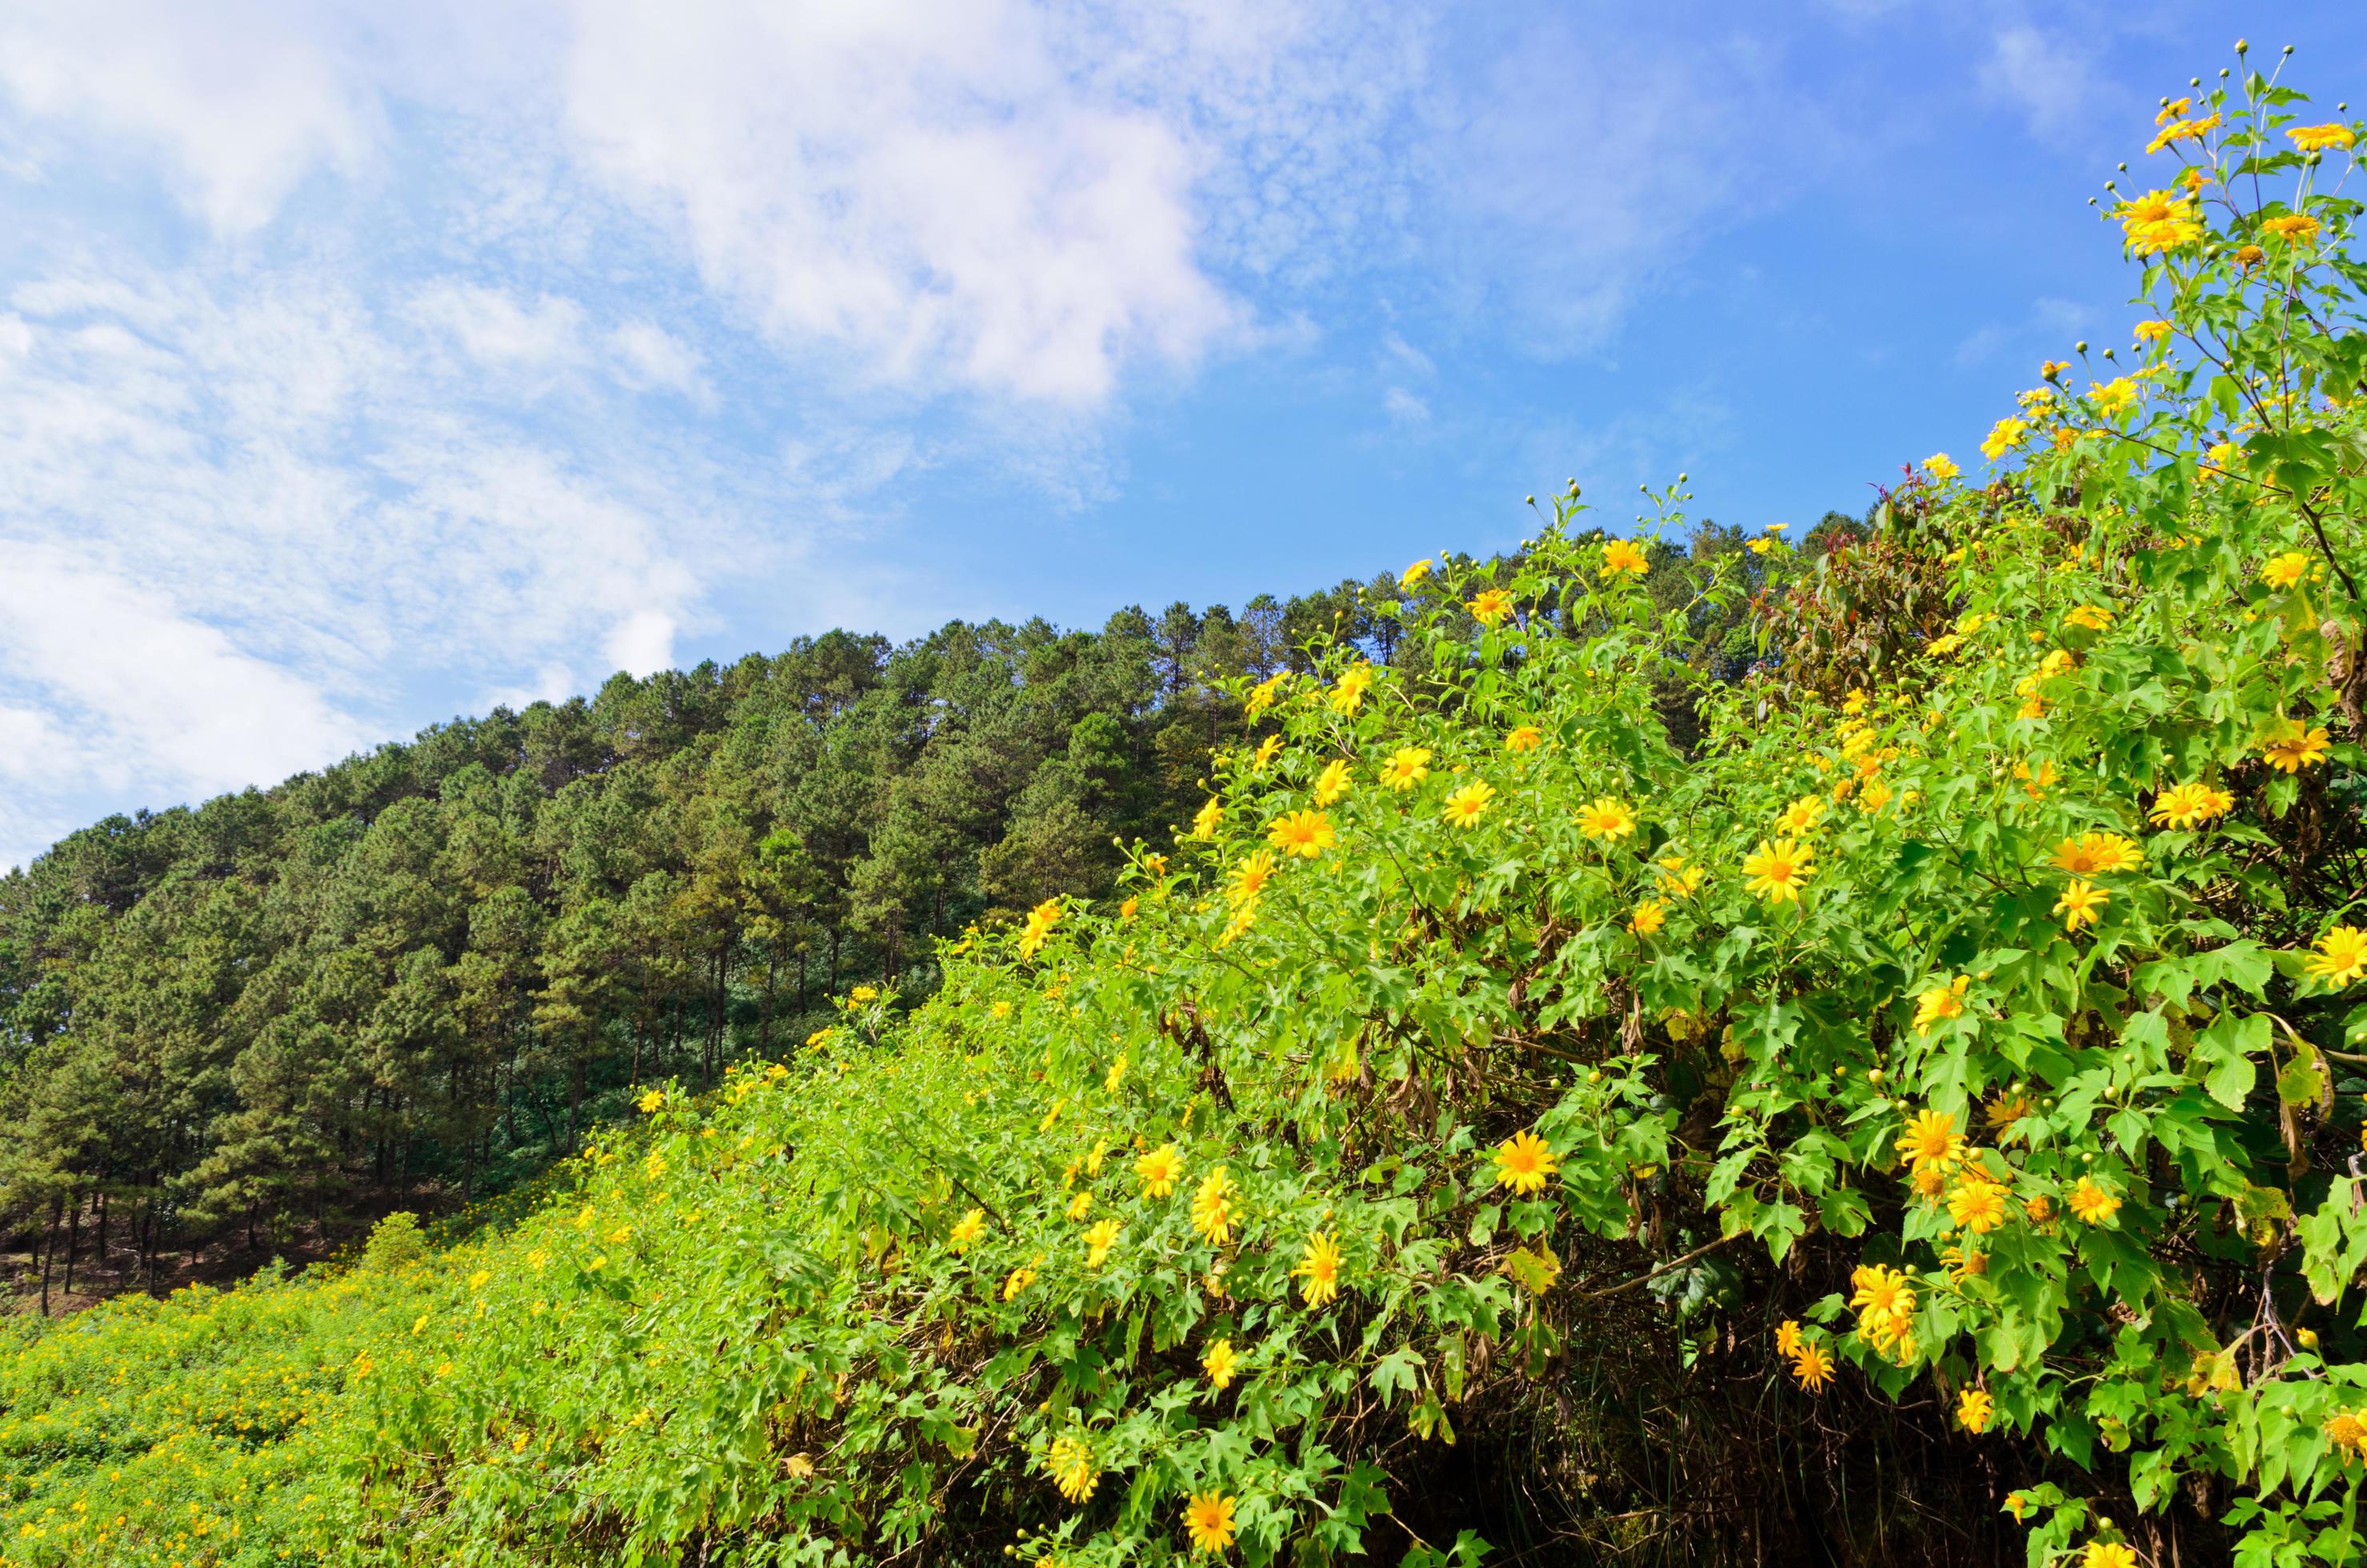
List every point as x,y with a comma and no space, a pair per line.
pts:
73,1237
49,1254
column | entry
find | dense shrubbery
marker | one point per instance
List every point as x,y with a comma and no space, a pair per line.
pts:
1923,1098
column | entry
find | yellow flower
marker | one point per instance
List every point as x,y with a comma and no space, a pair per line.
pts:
1874,797
2093,1203
1801,816
1788,1338
1206,820
1813,1367
1940,468
1265,753
1161,1169
1606,818
2345,1430
2151,332
2320,138
1523,738
2114,397
2185,805
1491,606
1251,877
1525,1163
1349,693
2109,1554
1332,783
1304,833
650,1102
2094,852
1778,871
2080,903
2294,746
1319,1270
1019,1280
1930,1139
1099,1240
1208,1519
1886,1305
2249,256
1465,807
1262,695
2182,131
1130,909
1040,921
2286,570
2095,617
2340,957
1943,1000
1978,1205
1621,557
2294,228
1973,1409
1406,767
1071,1466
1082,1204
1212,1207
1414,574
2160,221
1219,1363
1649,916
2004,436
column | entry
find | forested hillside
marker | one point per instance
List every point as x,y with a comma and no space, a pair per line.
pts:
419,975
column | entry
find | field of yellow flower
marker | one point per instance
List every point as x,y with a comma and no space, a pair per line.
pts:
1490,1117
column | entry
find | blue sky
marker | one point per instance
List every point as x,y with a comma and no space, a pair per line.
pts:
364,365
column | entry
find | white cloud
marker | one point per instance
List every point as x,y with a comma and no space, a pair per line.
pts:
1404,407
499,332
242,98
646,356
643,643
2047,75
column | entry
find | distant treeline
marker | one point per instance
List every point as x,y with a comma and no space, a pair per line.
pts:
420,975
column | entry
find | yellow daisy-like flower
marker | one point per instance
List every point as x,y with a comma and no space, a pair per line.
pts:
1251,877
2092,853
1930,1139
2189,805
2294,746
2182,131
1467,805
2152,331
1406,767
1606,818
1333,783
2114,397
1490,607
1159,1170
1649,916
1778,871
2160,221
1884,1302
1303,834
2092,1203
1978,1205
2080,903
1040,921
2345,1430
1801,816
2095,617
1262,695
1071,1463
2340,957
1081,1205
1813,1365
2321,138
967,1229
1265,753
1788,1338
2004,436
1099,1240
1206,821
1621,558
2284,571
1348,694
1208,1520
1938,466
1219,1363
2109,1554
1525,1163
2294,228
1019,1280
1212,1207
1414,574
1523,738
650,1102
1973,1409
1319,1270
